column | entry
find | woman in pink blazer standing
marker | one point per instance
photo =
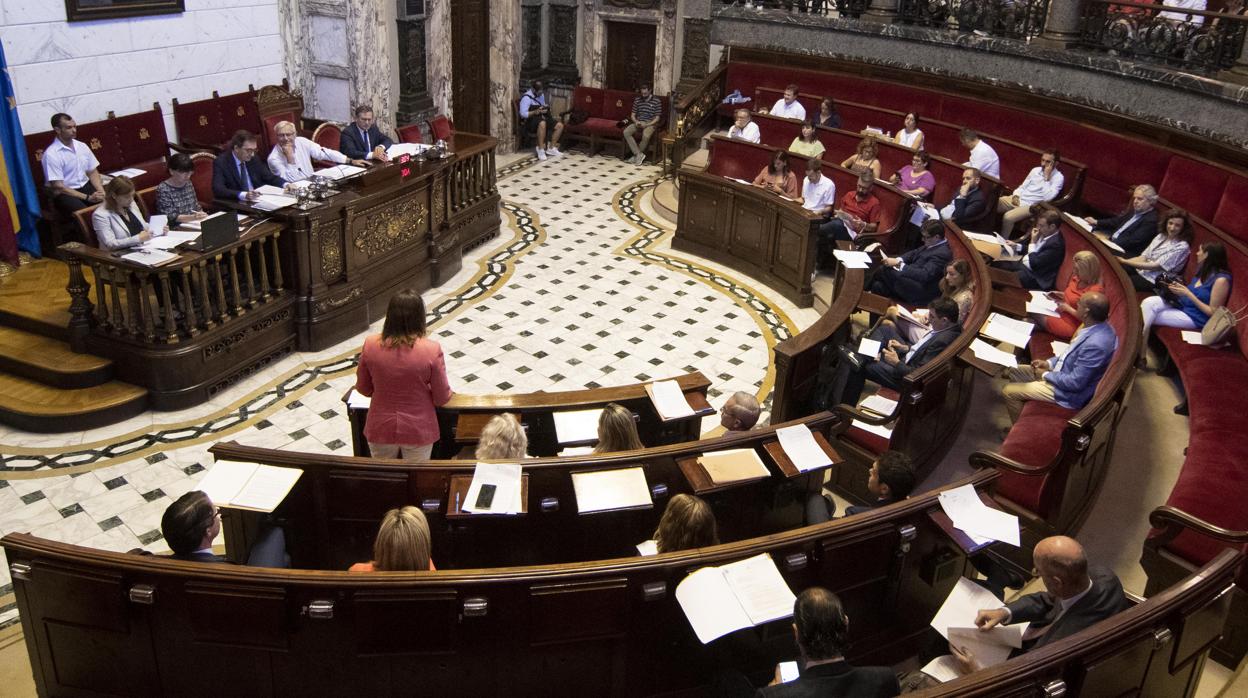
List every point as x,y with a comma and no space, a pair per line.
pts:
405,375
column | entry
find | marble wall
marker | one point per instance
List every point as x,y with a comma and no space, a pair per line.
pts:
505,58
597,13
87,69
438,41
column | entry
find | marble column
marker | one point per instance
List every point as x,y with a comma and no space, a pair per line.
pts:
1061,26
438,39
883,11
561,51
505,57
695,53
531,34
297,59
368,43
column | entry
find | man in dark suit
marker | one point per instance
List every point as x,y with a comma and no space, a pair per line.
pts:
969,203
362,140
891,480
1043,255
237,174
821,629
1077,596
1133,229
191,523
914,278
897,358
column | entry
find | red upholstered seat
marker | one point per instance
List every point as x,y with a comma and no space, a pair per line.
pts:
329,135
1232,213
1041,345
871,442
202,178
1194,185
410,134
1035,440
267,137
600,126
441,127
1213,486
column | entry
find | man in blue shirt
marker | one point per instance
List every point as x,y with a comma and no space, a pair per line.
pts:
1068,379
535,111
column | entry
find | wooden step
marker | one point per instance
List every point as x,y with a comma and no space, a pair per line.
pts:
50,361
667,200
32,406
34,298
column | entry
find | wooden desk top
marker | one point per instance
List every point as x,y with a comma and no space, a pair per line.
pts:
458,491
785,464
987,367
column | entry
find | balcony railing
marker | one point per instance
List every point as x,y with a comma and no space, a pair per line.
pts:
1014,19
852,9
1190,39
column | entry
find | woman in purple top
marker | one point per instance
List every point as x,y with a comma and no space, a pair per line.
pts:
915,179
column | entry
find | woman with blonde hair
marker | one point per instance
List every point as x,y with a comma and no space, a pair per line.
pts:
502,439
403,544
117,222
617,430
1085,278
865,159
405,374
687,522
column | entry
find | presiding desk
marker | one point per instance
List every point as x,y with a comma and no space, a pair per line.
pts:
303,281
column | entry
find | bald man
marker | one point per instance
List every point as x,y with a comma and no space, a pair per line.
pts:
1077,597
740,413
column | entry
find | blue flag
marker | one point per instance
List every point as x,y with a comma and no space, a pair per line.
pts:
17,185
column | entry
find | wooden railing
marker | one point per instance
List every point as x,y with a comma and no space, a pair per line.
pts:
691,112
173,302
472,178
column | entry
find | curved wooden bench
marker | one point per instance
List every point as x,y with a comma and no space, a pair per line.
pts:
933,399
1054,459
103,623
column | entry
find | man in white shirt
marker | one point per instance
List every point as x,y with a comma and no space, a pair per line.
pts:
1042,185
983,157
70,170
743,128
818,192
788,106
291,159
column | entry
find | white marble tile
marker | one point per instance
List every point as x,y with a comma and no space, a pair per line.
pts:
71,529
30,11
154,476
145,517
43,81
28,517
110,504
118,539
71,490
328,40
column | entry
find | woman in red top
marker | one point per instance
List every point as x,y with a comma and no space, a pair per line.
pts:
402,545
1085,278
405,374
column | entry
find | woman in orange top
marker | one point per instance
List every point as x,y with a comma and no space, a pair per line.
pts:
776,176
402,544
1085,278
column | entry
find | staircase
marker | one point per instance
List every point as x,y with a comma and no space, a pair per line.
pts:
45,386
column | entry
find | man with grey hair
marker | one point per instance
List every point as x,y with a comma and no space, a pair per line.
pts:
1134,228
740,413
291,159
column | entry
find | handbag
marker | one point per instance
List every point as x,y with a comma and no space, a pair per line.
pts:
1161,286
1221,326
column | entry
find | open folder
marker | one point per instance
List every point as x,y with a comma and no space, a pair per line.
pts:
577,427
248,485
733,465
719,600
608,490
669,400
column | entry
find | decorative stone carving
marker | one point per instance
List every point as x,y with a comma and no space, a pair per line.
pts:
413,84
562,57
635,4
531,32
695,57
328,236
387,227
439,204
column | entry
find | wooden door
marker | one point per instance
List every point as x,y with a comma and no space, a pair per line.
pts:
470,65
630,55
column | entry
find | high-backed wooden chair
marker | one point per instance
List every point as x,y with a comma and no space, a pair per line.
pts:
411,134
202,178
328,135
441,127
277,103
147,201
86,231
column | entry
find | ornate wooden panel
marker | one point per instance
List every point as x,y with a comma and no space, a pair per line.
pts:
470,65
629,55
751,231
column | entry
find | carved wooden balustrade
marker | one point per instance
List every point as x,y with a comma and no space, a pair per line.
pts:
472,179
174,302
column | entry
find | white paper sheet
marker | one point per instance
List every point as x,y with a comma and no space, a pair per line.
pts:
669,400
1041,304
1080,223
969,513
605,490
877,429
164,242
800,446
225,479
150,257
648,547
853,259
1059,348
710,605
506,479
356,401
923,213
340,171
157,224
130,172
270,189
266,488
576,451
879,404
1008,330
869,347
986,651
788,671
1192,337
406,149
1113,245
760,588
577,427
272,202
964,602
943,668
986,352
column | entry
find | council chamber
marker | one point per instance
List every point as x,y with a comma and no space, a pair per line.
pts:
624,347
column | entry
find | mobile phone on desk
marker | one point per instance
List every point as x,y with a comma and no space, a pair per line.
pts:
485,497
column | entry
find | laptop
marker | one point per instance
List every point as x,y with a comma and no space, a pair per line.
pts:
215,232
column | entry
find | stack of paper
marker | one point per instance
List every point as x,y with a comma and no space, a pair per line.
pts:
248,485
1041,304
606,490
719,600
130,172
505,477
356,401
924,212
1113,245
340,171
881,406
150,257
986,352
272,202
398,149
577,427
956,622
733,465
669,400
853,259
800,446
1192,337
976,519
1008,330
997,247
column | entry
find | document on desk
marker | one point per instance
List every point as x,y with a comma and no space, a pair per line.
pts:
669,400
356,401
398,149
505,477
1041,304
986,352
577,427
340,171
719,600
576,451
879,405
648,547
733,465
1008,330
130,172
853,259
1079,222
800,446
963,603
924,212
978,520
250,486
165,242
272,202
150,257
607,490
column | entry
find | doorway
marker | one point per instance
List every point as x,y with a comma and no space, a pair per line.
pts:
629,55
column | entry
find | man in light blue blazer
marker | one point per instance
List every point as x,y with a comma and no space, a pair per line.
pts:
1068,379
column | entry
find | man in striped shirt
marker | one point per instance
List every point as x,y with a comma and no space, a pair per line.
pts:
647,110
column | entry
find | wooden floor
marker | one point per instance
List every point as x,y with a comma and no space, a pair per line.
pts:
36,291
